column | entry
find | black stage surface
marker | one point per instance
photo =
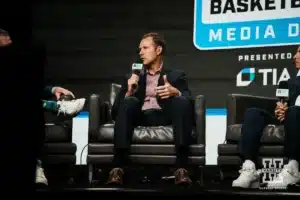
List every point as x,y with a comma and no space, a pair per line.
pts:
212,187
207,191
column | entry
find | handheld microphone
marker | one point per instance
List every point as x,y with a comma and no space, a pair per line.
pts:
137,68
282,92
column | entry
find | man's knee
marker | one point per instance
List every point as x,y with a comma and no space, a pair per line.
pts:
293,113
253,113
129,104
131,100
181,101
181,106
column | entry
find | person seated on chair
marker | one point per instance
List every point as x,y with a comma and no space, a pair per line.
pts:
162,97
254,123
67,107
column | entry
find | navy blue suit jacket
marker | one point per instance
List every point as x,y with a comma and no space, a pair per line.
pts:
177,78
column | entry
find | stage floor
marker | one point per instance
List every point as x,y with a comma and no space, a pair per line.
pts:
210,187
216,191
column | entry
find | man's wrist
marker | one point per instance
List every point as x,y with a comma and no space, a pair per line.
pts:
53,89
128,93
177,92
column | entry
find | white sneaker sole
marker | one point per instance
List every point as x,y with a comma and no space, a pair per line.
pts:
253,185
41,181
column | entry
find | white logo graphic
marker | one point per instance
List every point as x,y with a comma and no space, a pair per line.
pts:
269,76
239,78
272,167
282,93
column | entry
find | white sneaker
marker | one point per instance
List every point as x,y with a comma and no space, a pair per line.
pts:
70,107
249,178
288,175
40,177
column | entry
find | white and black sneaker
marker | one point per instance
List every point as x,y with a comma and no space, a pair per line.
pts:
249,178
288,175
40,177
71,107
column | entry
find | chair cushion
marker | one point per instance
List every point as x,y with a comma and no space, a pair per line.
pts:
264,150
60,148
271,134
231,161
146,149
142,134
146,159
57,133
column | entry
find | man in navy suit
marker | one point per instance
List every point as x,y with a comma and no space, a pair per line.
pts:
255,120
162,97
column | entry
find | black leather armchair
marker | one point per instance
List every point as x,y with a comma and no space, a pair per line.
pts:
59,153
271,142
151,145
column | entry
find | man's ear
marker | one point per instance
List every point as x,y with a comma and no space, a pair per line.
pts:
159,50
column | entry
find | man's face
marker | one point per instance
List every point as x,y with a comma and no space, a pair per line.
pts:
148,51
297,58
4,40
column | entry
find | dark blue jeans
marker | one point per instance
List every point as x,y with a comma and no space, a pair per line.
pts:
254,123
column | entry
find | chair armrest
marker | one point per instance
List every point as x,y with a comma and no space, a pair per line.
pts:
199,108
237,104
94,115
99,114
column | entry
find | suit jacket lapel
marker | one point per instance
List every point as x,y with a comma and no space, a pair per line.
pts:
161,76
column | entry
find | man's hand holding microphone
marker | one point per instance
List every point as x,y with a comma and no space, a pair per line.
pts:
280,110
282,92
132,84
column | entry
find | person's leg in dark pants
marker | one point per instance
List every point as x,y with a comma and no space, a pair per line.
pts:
292,133
180,111
126,120
290,172
255,120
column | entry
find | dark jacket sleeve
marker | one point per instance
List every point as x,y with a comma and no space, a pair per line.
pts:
47,92
119,98
181,84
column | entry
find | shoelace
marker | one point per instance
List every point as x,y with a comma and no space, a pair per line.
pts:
180,172
245,169
114,173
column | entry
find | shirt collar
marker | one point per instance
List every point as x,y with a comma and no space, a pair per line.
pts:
158,71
